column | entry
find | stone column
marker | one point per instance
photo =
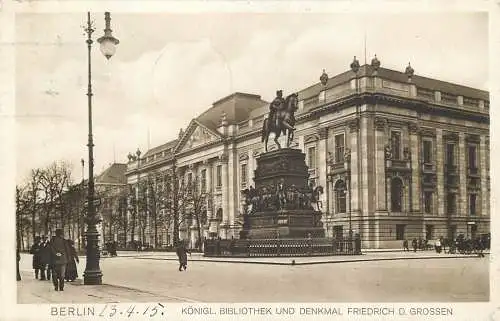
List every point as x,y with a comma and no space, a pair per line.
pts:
380,186
233,189
250,169
365,224
322,164
209,201
416,195
224,188
462,205
483,154
354,179
441,196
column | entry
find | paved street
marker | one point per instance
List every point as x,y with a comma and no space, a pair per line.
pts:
383,277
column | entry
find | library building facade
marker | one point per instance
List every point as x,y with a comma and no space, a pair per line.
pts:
399,156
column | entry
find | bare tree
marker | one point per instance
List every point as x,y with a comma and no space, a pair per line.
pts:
187,202
22,219
55,180
32,196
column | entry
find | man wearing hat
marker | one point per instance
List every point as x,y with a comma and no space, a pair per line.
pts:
37,261
60,255
275,106
44,258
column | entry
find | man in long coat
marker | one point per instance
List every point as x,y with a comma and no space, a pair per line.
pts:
71,268
45,259
182,255
37,260
60,255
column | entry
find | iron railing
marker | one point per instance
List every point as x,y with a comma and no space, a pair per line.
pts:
282,247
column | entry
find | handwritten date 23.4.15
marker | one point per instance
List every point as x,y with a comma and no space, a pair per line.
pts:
120,311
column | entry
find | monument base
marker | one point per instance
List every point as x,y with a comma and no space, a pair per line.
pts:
286,224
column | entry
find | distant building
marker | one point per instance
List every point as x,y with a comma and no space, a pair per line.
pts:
400,156
111,192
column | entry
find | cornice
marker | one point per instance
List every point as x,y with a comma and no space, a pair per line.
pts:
200,147
414,104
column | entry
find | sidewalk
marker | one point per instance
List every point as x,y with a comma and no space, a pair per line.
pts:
367,256
30,290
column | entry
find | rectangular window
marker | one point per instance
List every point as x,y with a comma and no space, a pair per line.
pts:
427,151
311,151
428,202
472,157
339,148
451,204
243,174
400,232
472,204
338,230
396,145
429,232
219,176
450,154
203,180
340,195
190,180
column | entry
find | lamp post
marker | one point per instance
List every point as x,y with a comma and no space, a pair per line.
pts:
93,274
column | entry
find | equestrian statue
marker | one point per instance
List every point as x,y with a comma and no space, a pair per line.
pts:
281,119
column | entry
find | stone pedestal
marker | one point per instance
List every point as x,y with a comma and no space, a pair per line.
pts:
281,204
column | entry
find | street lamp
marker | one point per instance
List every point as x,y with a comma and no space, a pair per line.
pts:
93,274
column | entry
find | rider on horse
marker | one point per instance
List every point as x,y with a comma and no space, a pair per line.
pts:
276,112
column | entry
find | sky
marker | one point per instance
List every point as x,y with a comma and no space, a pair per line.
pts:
169,68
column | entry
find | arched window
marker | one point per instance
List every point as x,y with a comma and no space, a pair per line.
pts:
396,195
340,193
218,215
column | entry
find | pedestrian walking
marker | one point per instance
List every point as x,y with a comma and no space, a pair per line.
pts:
182,255
444,243
37,260
60,254
71,269
45,266
479,247
405,246
414,244
114,245
438,246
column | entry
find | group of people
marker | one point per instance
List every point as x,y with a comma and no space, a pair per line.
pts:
111,248
55,258
461,244
419,244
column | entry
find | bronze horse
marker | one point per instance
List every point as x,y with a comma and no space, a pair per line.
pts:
286,123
